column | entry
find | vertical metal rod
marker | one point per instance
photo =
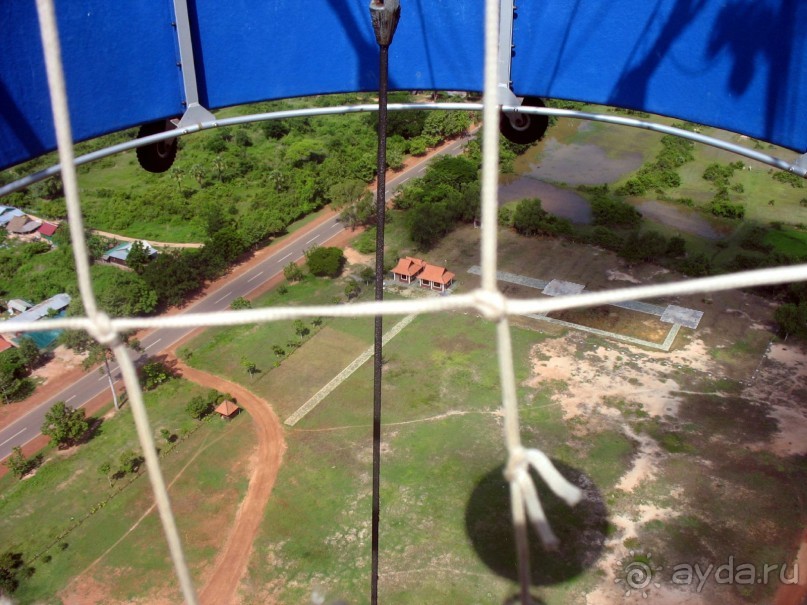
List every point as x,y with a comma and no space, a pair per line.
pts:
380,213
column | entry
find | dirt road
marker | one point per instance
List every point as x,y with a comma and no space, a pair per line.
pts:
231,563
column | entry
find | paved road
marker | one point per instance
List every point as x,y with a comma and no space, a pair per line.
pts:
79,393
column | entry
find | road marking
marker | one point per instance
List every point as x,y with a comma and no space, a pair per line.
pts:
18,433
152,344
406,179
222,298
256,276
69,400
312,239
284,258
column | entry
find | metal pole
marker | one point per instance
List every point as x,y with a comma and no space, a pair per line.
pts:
384,17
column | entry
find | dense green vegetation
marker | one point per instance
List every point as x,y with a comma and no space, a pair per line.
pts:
234,189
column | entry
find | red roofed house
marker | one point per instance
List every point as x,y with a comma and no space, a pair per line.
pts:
407,269
429,276
4,344
436,278
227,409
48,229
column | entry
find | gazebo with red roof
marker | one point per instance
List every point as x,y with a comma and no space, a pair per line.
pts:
227,409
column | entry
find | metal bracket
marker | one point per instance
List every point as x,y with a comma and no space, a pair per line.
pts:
801,163
507,10
194,112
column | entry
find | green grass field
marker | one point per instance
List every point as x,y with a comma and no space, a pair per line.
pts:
442,439
46,515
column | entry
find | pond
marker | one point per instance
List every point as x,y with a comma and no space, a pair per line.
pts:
558,201
678,217
577,164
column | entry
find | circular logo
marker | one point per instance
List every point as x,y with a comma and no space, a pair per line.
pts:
636,573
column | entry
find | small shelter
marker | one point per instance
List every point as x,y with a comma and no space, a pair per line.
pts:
48,229
54,304
227,409
17,223
4,344
436,277
120,253
18,305
9,214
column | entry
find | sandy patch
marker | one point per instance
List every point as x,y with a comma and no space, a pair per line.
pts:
63,360
614,275
354,257
612,372
644,463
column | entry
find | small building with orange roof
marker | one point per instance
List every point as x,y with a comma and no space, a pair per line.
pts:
227,409
407,269
436,277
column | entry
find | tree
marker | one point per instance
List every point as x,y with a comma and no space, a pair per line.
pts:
278,350
529,216
28,351
352,289
138,257
367,275
105,470
792,319
249,366
326,262
122,293
98,353
300,328
198,407
346,192
130,461
173,275
64,425
12,570
292,272
155,373
19,465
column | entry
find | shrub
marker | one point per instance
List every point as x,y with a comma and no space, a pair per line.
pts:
64,425
726,209
613,212
789,178
531,219
365,243
326,262
154,374
199,407
240,303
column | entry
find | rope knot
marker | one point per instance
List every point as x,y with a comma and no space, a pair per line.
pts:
516,464
517,474
493,305
101,329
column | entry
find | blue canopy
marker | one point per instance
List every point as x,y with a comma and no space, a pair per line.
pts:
734,64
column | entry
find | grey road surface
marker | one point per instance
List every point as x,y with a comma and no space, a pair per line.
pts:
79,393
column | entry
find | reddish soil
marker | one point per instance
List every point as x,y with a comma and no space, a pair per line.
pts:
795,594
231,562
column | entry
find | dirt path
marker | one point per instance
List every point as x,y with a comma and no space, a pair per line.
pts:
232,560
123,238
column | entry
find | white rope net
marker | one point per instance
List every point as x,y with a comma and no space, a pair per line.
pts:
487,300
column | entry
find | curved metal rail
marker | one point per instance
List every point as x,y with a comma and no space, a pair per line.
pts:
799,168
